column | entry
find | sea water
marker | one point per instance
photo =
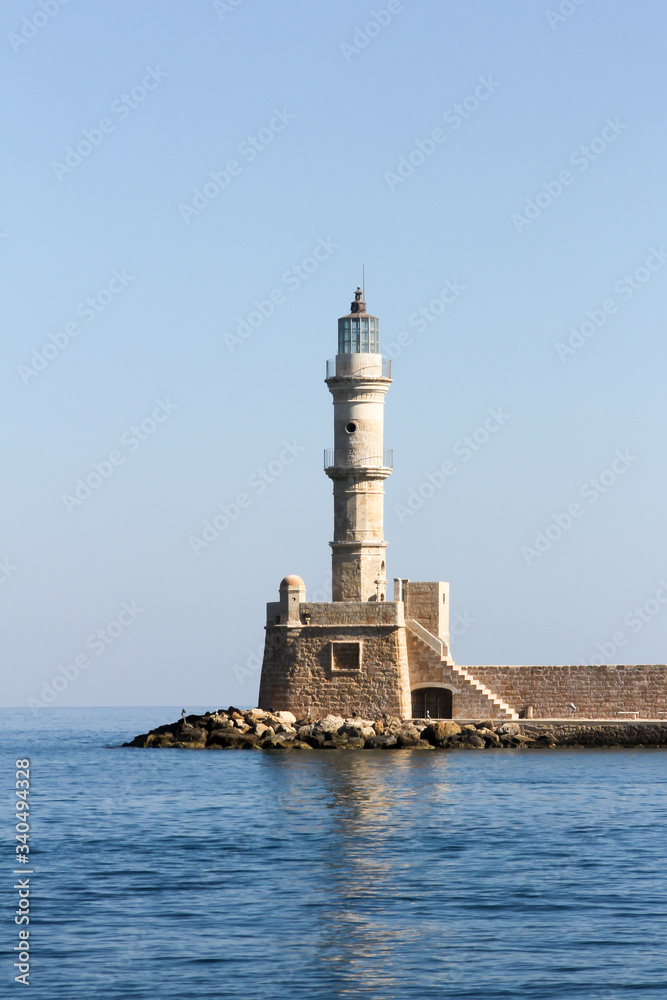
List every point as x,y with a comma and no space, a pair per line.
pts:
311,874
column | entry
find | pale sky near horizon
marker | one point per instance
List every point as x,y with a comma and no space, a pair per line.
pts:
189,193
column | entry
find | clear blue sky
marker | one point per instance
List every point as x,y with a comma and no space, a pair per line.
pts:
305,116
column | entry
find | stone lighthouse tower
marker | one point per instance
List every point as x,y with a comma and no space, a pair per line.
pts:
363,651
358,380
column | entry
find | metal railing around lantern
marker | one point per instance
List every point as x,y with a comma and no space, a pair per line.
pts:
383,461
386,369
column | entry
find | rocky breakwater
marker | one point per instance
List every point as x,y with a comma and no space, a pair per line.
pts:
257,729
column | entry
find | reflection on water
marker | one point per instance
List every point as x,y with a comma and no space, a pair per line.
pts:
536,875
369,933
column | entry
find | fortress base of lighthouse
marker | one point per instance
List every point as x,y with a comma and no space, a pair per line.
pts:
368,657
342,657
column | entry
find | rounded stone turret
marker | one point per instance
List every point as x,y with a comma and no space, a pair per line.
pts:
292,594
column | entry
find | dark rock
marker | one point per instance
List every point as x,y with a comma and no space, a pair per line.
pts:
237,739
225,727
315,740
334,742
170,728
521,740
191,734
438,732
219,721
466,738
190,720
355,743
384,742
277,743
407,739
404,742
138,741
164,740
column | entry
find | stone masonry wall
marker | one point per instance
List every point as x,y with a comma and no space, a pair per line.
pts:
297,672
599,692
353,612
422,602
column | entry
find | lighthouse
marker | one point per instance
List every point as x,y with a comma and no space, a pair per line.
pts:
364,652
358,379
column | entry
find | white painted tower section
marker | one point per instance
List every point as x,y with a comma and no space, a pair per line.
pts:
358,380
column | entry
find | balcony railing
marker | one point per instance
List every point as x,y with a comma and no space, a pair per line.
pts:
386,368
383,461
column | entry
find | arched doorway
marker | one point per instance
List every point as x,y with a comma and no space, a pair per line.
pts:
434,702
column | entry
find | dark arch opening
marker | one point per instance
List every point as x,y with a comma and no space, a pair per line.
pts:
437,702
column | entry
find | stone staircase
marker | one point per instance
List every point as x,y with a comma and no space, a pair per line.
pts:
440,648
501,705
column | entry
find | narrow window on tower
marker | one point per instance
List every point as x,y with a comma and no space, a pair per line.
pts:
355,336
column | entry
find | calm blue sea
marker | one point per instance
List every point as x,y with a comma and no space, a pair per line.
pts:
201,874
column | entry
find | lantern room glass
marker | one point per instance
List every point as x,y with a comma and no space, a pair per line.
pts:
359,335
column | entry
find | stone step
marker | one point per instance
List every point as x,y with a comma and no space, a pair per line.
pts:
487,692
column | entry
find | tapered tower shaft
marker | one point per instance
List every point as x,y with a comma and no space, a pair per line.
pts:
358,464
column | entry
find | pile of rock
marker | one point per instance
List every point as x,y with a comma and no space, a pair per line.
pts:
282,731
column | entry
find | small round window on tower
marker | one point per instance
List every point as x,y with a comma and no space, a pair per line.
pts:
351,427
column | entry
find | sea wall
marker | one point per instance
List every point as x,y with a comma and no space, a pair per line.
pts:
598,733
598,692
